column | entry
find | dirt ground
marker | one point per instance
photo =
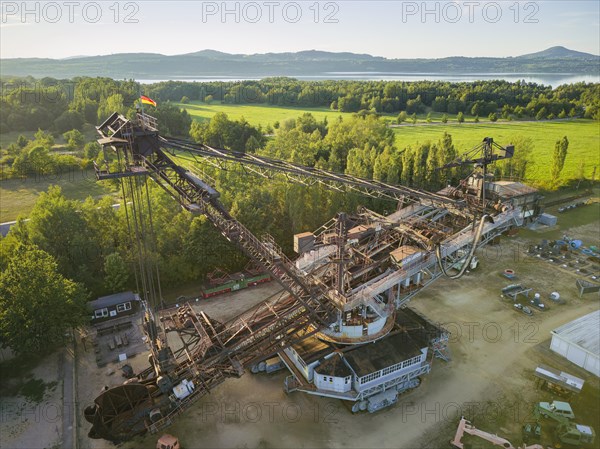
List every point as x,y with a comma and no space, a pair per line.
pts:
494,349
31,406
91,379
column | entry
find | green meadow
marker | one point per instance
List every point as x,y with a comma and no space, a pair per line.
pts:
584,135
255,114
18,196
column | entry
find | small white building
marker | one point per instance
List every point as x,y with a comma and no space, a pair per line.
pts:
369,375
305,355
333,374
579,342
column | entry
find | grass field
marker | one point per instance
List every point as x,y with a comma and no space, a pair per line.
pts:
18,196
263,114
89,132
583,135
255,114
11,137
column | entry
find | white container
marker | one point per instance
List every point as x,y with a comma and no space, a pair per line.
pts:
184,389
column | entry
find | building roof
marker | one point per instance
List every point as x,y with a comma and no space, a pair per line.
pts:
583,332
311,349
403,252
333,366
372,357
421,330
509,189
565,380
112,300
564,406
504,189
415,333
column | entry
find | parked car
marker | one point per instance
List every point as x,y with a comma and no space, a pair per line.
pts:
557,410
575,434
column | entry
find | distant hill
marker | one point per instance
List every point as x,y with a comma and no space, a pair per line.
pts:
212,63
560,52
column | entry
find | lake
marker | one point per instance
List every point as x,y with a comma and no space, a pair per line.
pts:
552,79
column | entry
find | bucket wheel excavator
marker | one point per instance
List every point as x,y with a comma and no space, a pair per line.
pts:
348,270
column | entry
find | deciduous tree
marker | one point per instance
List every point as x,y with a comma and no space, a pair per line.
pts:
74,139
37,303
558,158
116,273
58,227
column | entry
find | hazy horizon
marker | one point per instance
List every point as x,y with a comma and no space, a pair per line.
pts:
298,51
394,30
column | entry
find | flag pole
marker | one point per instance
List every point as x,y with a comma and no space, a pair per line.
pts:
140,98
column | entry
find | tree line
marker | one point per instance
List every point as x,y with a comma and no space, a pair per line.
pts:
62,105
478,98
27,104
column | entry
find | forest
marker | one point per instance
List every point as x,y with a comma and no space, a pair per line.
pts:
479,98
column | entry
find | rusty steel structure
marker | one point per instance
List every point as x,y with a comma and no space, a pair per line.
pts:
359,268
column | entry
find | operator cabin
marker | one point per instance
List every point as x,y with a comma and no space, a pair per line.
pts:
372,374
114,306
368,364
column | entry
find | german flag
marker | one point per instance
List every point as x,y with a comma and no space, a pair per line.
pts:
146,100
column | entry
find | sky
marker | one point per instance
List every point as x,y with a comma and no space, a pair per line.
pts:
393,29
